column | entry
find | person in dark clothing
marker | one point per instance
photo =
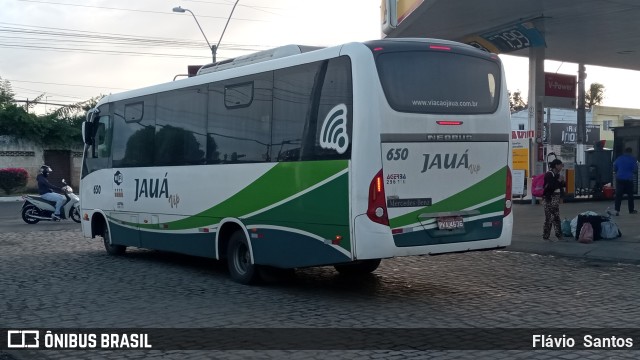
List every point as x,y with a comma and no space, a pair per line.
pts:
45,188
553,185
624,167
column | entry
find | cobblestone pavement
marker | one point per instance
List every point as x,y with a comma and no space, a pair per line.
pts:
60,280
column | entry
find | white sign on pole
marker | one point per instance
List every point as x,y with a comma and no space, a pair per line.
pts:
517,182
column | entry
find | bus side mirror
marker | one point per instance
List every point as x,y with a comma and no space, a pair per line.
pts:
87,133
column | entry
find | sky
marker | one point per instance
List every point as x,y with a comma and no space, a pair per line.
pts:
73,50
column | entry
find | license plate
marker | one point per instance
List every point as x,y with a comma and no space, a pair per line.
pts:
450,223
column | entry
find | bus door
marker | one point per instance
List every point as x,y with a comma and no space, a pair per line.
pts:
124,222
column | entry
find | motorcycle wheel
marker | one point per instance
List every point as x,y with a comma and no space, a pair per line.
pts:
74,214
29,211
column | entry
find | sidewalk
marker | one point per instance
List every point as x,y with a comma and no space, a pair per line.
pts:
527,233
10,198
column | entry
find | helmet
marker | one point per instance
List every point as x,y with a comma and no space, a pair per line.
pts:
45,170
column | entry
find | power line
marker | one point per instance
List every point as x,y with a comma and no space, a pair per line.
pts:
133,10
38,102
102,35
253,7
44,92
106,52
231,3
48,83
88,39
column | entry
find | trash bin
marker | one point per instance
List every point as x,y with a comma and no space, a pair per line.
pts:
608,192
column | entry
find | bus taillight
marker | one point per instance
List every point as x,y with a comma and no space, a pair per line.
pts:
448,122
377,208
508,204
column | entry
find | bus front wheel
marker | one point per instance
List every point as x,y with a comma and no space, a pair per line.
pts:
361,267
112,249
239,260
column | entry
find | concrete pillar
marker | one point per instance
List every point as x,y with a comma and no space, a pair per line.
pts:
582,116
536,110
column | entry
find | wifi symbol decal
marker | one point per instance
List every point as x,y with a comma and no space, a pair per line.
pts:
333,134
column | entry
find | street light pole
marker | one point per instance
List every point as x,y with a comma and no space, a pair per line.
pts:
179,9
214,48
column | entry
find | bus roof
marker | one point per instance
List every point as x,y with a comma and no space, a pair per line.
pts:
267,60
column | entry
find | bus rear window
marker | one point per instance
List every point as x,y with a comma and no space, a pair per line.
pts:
431,82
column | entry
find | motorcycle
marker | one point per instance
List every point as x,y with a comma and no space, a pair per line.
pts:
36,208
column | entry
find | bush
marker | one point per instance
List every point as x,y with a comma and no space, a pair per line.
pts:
12,179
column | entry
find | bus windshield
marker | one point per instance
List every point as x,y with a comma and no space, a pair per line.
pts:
439,82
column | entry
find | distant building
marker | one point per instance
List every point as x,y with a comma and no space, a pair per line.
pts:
601,118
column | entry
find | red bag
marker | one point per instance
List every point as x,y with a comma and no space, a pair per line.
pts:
537,185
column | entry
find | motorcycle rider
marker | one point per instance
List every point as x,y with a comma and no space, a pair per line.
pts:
45,188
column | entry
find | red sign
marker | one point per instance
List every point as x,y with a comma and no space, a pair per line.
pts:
522,134
560,85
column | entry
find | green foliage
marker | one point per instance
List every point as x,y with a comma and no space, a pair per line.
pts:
6,93
516,102
49,130
594,96
61,128
12,179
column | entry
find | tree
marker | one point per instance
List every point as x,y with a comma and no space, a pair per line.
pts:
61,128
594,96
77,109
516,102
6,93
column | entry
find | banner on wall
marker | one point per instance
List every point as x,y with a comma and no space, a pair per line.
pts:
567,134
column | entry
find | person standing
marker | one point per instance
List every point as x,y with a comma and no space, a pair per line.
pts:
624,167
553,185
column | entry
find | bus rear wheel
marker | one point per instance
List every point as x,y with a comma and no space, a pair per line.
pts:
361,267
112,249
239,260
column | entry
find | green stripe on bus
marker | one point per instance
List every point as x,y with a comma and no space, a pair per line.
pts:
490,187
282,181
324,211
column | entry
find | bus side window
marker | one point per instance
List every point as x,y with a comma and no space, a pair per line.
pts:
103,144
337,91
239,120
293,99
99,153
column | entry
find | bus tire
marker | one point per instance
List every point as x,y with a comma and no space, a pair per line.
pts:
112,249
361,267
239,260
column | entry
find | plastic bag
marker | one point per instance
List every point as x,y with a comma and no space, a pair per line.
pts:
610,230
565,226
586,234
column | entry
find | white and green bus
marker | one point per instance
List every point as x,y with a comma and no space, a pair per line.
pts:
337,156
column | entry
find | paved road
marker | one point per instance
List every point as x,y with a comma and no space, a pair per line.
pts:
57,279
11,220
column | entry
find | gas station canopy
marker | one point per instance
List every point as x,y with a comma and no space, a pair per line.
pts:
593,32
